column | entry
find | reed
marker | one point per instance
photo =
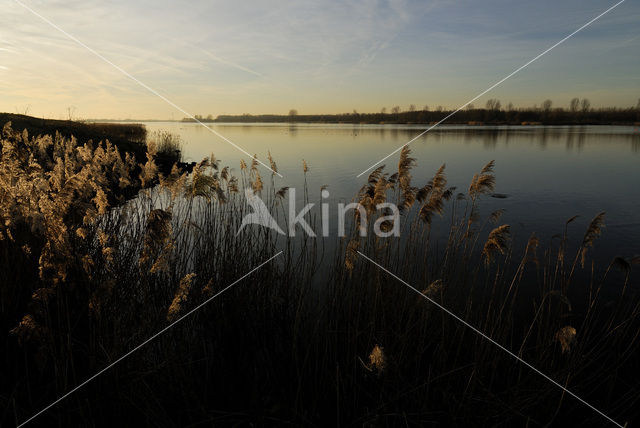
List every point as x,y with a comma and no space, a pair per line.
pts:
319,336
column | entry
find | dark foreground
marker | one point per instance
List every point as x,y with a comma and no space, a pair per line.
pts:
87,276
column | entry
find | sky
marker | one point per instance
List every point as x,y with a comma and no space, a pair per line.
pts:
329,56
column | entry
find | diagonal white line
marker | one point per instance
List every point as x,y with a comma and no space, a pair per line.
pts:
148,88
148,340
493,86
442,308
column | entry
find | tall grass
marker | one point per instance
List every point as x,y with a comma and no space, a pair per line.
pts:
168,147
88,274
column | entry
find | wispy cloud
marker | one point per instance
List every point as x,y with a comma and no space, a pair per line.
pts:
229,63
332,55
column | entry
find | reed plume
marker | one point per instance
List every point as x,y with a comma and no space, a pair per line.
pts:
352,254
566,336
593,231
203,184
28,329
257,184
434,193
405,164
180,298
434,289
531,249
157,244
375,175
497,242
483,182
495,216
377,360
175,181
380,192
208,290
254,164
149,170
224,174
374,192
407,192
282,192
274,167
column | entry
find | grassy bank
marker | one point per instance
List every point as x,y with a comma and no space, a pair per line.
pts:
128,138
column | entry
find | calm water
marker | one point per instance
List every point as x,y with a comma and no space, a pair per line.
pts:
548,173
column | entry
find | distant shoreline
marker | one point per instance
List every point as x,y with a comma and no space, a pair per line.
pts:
471,117
447,123
474,117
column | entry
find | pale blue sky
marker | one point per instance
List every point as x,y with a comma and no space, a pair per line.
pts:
316,56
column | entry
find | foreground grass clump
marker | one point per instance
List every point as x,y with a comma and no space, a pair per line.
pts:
302,341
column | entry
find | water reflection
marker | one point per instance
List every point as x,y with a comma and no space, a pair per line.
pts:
569,143
635,143
550,173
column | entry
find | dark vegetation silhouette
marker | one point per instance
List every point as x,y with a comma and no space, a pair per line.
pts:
579,112
127,137
87,274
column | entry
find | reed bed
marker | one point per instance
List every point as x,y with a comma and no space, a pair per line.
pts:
88,273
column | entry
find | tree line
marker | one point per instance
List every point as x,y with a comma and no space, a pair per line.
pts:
579,111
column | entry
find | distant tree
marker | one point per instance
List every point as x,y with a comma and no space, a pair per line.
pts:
586,105
198,117
384,110
412,107
25,111
210,117
573,105
439,108
638,105
426,107
510,106
493,104
470,106
71,112
292,115
395,110
546,105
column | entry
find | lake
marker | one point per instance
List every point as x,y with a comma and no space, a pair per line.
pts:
548,174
